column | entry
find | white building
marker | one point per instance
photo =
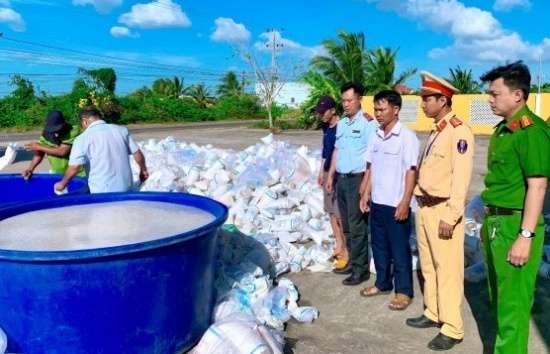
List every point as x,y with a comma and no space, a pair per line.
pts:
292,94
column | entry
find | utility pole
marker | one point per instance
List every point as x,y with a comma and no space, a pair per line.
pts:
538,97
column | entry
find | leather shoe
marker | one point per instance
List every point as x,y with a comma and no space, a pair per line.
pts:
421,322
356,278
346,270
442,342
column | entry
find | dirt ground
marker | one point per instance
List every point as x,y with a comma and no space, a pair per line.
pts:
348,323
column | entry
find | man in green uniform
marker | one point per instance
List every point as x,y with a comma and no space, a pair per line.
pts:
516,181
55,142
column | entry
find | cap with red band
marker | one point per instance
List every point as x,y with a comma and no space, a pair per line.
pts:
433,85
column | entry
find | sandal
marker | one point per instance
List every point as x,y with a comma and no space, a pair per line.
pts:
372,291
400,302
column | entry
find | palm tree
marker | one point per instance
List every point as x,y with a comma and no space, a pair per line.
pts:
230,85
463,80
380,71
200,95
345,60
169,87
102,79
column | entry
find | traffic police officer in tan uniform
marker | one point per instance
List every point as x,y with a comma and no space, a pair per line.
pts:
443,179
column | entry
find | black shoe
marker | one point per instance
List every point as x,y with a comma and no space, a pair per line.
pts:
421,322
442,342
346,270
356,278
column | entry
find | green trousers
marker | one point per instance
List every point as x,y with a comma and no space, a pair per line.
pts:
511,288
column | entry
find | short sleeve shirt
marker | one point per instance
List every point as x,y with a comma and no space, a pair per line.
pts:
352,139
519,148
390,158
329,139
59,164
105,148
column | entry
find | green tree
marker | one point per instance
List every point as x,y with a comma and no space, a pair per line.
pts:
464,81
200,95
102,80
230,85
169,87
380,71
23,89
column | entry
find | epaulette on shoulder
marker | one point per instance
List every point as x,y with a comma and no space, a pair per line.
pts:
455,122
525,122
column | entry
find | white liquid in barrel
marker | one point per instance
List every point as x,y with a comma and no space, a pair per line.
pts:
98,225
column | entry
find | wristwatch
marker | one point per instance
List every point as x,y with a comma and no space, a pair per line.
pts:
526,233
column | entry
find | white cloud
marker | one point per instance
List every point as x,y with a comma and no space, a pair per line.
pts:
477,34
285,45
101,6
120,32
227,30
13,19
506,5
156,14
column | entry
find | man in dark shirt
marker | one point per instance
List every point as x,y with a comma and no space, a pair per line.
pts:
326,111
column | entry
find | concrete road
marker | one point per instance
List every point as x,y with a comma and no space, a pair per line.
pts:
349,324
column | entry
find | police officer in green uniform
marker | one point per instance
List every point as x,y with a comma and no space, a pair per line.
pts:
515,184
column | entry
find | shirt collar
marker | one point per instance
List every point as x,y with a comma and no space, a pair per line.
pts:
358,115
97,122
396,130
444,121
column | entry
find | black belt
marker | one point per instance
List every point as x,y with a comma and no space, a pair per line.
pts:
493,210
430,201
350,175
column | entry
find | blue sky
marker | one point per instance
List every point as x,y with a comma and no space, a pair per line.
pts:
197,39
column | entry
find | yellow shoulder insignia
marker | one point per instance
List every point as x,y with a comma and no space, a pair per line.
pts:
525,121
455,122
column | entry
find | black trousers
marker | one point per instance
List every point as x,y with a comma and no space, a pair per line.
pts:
354,222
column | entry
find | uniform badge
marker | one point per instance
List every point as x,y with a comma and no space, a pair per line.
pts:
525,121
462,146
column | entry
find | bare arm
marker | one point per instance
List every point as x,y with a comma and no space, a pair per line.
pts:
62,150
534,200
67,177
36,160
140,160
365,190
402,210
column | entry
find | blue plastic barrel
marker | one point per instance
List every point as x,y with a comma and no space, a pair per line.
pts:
15,189
148,297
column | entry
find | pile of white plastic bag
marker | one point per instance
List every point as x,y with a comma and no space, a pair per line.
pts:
475,270
9,156
275,206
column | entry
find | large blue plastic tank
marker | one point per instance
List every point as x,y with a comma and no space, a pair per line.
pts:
15,189
149,297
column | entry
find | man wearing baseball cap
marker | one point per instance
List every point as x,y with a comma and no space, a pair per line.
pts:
326,111
445,170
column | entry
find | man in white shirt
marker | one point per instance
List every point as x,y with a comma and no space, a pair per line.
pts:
105,148
389,182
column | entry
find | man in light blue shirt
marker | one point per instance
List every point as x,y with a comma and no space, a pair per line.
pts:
105,149
353,135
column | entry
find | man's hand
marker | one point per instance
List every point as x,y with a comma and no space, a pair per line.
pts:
329,184
59,186
27,174
33,146
520,251
402,210
364,203
143,175
445,230
320,178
